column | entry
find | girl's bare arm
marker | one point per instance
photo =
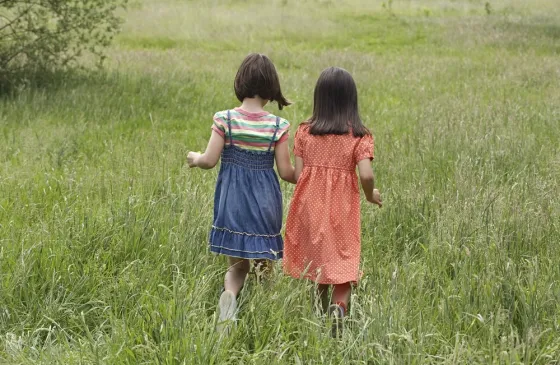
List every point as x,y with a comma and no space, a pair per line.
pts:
368,182
211,156
283,163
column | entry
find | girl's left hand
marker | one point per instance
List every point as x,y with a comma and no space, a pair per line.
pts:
376,198
192,157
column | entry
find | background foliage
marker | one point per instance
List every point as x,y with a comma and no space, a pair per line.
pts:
45,34
103,231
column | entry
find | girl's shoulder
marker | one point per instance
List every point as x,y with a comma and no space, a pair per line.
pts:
239,114
304,131
222,114
304,127
282,123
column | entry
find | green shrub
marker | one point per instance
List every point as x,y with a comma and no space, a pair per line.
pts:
52,34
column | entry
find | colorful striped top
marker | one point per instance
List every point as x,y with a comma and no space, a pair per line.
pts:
251,131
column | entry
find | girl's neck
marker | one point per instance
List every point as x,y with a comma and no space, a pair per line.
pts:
253,105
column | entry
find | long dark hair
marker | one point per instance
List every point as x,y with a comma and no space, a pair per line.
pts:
257,76
335,105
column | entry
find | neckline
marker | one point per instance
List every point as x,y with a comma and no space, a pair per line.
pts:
251,114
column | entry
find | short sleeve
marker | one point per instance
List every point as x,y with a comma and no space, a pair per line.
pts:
219,125
283,131
284,137
299,142
364,149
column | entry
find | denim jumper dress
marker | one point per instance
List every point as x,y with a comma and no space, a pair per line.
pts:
247,203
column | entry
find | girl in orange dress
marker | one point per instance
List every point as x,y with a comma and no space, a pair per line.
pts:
322,240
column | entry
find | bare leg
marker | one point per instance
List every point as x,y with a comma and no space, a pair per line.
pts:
233,282
337,310
341,294
236,274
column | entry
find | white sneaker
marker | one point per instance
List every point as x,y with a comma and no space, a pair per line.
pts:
227,309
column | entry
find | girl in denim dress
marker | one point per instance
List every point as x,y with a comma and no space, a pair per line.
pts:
248,201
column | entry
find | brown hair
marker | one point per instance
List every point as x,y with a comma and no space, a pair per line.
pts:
335,105
257,76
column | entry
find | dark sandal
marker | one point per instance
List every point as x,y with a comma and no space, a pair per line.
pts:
336,313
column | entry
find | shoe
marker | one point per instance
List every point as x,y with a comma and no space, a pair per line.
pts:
227,307
336,313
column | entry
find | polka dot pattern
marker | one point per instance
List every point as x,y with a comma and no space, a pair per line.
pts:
322,240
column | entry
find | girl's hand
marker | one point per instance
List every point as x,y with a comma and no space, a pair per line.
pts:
376,198
192,158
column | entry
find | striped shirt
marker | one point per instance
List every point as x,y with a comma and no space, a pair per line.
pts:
251,131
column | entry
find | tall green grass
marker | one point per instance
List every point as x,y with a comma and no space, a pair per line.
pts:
103,230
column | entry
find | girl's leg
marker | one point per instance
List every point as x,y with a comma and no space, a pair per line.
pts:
233,282
236,274
337,310
341,295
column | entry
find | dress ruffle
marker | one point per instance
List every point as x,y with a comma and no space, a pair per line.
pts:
246,246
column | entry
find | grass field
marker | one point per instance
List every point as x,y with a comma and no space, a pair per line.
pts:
103,229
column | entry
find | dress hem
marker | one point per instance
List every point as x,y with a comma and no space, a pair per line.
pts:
246,246
220,250
323,282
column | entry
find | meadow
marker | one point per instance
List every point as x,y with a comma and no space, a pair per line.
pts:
103,228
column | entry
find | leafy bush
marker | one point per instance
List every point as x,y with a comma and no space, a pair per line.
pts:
51,34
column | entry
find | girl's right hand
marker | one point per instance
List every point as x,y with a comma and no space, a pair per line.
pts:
191,158
376,198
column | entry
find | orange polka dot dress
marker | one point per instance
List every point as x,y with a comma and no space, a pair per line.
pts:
322,240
